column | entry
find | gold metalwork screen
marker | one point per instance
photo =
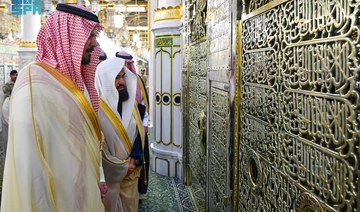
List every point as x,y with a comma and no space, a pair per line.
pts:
218,151
197,104
196,96
299,130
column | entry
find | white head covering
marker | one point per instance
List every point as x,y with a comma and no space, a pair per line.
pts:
106,73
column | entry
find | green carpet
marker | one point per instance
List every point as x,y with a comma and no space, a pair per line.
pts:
166,194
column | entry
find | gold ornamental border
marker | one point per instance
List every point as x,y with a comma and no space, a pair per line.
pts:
263,9
70,1
3,8
237,112
24,44
169,13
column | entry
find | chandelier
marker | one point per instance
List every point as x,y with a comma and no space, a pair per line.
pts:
122,22
114,23
8,24
136,36
4,31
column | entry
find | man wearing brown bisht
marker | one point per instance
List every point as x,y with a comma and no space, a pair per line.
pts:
143,107
53,155
124,133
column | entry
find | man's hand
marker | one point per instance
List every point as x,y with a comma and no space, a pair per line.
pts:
103,189
131,166
146,129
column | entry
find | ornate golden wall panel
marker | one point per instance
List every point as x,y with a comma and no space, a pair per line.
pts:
299,124
219,37
197,12
209,42
196,149
197,99
218,154
208,131
208,62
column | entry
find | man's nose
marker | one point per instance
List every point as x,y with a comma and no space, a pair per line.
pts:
119,82
122,81
94,42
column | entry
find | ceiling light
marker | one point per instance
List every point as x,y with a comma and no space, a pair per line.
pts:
121,8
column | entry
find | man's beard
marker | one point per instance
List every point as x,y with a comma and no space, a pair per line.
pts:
84,60
123,95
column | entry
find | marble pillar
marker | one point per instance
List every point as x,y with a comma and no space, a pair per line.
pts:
166,54
30,26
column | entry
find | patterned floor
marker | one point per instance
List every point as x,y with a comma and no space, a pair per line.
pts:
167,194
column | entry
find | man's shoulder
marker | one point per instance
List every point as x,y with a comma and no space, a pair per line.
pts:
144,78
7,85
34,65
30,66
35,68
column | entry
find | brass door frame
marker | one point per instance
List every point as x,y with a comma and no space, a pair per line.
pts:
186,111
237,114
219,88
